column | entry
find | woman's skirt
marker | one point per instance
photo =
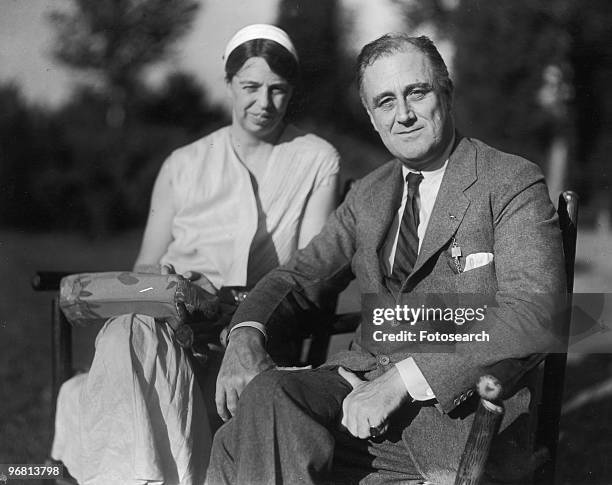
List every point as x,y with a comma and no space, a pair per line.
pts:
137,416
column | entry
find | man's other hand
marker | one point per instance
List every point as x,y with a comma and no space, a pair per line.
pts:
244,358
370,403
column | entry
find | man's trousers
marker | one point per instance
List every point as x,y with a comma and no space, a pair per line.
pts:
286,431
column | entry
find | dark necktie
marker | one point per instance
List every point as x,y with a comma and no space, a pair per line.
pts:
408,240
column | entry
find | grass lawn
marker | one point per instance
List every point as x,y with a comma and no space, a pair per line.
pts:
25,373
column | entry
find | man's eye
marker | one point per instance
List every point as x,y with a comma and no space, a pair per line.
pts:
249,88
417,93
385,103
279,90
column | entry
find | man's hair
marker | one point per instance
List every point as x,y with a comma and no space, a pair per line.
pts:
399,42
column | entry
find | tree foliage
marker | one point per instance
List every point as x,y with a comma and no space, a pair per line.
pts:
588,24
503,50
66,169
117,39
91,163
30,142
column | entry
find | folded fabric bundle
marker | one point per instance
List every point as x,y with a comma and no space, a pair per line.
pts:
89,298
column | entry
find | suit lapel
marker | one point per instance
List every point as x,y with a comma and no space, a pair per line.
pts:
451,202
384,202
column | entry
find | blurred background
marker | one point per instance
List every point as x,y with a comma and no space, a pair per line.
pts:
94,95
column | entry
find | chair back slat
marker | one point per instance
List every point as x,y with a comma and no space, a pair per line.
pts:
568,221
549,411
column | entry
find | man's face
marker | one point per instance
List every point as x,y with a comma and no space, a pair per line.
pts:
413,120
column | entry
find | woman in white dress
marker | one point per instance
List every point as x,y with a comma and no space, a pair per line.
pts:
225,210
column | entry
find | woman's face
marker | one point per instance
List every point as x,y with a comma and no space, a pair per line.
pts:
260,97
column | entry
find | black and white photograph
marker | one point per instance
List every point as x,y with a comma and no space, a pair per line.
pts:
252,242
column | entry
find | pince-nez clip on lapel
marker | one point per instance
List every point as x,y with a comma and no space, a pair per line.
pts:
456,252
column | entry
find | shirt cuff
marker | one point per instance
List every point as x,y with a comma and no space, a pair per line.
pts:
256,325
414,380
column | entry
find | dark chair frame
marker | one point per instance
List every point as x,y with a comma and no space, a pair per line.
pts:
491,387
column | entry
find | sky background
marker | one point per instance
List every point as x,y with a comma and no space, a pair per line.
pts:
26,38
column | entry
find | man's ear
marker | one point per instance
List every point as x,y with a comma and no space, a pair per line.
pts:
450,99
365,106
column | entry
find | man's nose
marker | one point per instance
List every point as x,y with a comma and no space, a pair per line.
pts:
404,113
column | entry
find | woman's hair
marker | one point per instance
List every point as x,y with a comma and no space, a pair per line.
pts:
280,60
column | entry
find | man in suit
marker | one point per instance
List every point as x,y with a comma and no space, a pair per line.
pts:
449,215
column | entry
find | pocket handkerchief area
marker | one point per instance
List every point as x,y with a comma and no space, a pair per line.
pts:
476,260
89,298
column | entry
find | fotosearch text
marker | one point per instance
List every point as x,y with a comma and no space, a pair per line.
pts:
426,336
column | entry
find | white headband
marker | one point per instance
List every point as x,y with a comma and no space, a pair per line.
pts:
260,31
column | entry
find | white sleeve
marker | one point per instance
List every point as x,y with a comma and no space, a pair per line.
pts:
414,380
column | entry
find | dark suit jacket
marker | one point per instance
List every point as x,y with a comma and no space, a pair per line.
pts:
490,202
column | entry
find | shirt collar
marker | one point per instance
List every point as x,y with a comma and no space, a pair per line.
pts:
432,174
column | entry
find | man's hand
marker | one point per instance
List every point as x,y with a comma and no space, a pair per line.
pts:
370,403
244,358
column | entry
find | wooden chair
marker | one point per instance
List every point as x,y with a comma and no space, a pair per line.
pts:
491,387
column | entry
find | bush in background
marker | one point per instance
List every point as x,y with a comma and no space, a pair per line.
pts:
68,169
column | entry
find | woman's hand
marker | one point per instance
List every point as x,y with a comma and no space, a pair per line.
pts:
195,277
244,358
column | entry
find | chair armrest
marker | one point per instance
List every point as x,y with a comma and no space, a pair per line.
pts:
498,382
49,280
510,376
487,420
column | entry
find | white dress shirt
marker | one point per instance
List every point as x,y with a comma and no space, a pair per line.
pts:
413,378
